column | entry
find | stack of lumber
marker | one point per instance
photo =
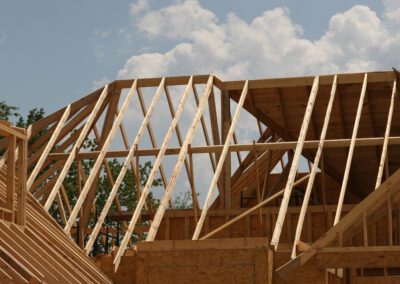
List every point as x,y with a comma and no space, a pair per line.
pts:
41,251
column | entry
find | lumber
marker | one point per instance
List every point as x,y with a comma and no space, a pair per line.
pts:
220,163
49,146
351,150
178,165
294,166
314,168
96,167
77,145
152,175
387,134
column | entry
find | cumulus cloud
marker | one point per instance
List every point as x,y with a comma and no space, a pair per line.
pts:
270,45
98,83
139,6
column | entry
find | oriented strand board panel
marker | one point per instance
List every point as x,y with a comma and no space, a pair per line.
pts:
126,272
207,261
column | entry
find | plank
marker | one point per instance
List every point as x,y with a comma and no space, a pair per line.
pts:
351,150
387,134
182,155
220,164
76,146
100,159
315,164
295,163
154,171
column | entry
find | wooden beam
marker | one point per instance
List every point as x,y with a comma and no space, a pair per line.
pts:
351,150
294,166
154,170
372,202
310,183
278,145
124,168
178,166
179,136
11,183
252,209
151,134
357,257
77,145
220,163
97,166
387,134
225,130
48,147
21,175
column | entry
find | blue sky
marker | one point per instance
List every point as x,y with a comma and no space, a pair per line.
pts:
54,52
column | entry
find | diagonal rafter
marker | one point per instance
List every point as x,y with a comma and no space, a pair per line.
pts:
295,163
178,166
314,167
149,183
220,162
351,150
100,159
77,145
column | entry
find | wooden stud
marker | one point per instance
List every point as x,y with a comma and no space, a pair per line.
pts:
351,150
387,134
182,155
49,146
252,209
293,169
314,167
10,197
124,169
220,162
96,167
77,145
22,187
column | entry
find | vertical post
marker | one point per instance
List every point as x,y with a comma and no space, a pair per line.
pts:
11,175
225,125
195,202
257,180
365,228
390,221
22,189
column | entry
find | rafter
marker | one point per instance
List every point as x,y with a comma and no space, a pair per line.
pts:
351,150
293,169
220,162
153,172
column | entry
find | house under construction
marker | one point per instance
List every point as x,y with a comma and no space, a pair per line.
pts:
309,194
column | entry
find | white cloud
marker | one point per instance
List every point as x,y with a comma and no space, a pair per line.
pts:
270,45
100,82
139,6
102,34
392,10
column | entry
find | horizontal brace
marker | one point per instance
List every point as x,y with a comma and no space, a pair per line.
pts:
311,144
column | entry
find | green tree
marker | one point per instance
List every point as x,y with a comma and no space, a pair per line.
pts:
127,191
7,112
